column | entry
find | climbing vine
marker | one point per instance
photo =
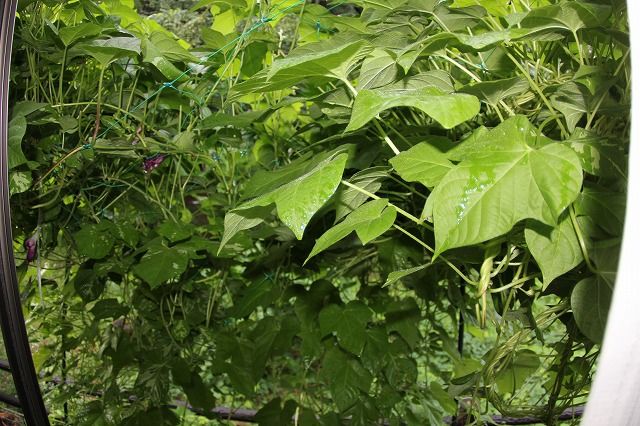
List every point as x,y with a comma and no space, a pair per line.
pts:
362,210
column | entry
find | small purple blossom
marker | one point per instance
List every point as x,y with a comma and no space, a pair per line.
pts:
151,163
31,244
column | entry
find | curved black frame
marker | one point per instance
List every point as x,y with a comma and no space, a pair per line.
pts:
14,331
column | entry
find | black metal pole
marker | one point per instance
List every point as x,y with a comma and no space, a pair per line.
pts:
14,331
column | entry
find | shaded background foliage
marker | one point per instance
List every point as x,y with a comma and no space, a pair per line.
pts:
477,148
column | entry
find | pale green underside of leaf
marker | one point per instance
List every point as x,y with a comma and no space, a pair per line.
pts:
556,250
491,190
422,163
448,110
297,201
378,70
369,221
334,59
240,220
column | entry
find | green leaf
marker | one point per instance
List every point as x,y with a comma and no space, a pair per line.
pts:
297,201
108,50
199,395
334,58
503,179
70,35
569,16
175,231
347,199
604,208
240,220
377,70
396,276
448,110
572,100
422,163
401,372
369,221
346,378
109,308
95,241
261,293
403,317
494,91
19,182
161,45
555,249
599,156
86,285
17,130
590,301
161,264
348,322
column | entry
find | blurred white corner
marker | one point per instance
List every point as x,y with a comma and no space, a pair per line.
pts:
615,395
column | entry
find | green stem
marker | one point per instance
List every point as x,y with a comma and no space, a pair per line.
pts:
581,241
398,209
429,248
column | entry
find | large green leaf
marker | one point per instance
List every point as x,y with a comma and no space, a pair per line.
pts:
504,178
95,241
369,221
346,377
447,109
567,15
348,322
297,201
161,264
335,58
590,301
422,163
555,249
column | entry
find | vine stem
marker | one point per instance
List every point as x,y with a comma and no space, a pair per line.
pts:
537,89
376,122
581,241
429,248
398,209
407,233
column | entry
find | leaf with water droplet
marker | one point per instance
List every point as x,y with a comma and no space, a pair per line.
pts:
509,180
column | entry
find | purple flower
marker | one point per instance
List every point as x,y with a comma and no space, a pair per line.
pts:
152,163
31,244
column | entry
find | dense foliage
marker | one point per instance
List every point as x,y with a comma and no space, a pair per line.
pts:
391,209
